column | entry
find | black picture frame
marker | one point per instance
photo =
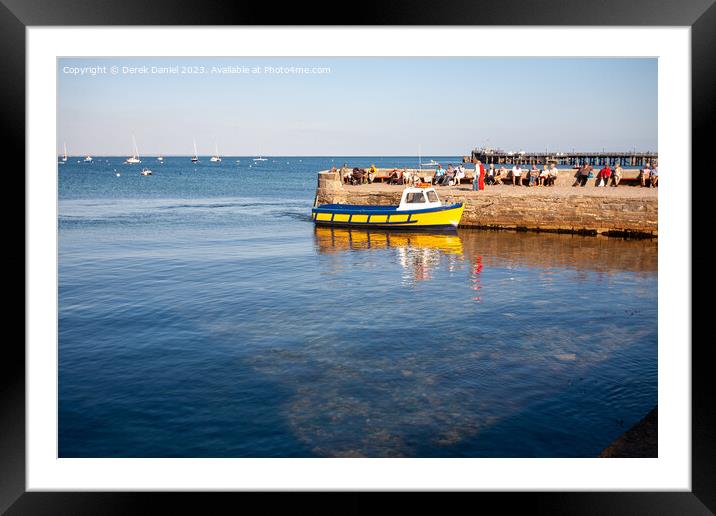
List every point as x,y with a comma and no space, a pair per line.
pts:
17,15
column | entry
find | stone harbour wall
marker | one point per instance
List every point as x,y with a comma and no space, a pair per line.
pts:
522,208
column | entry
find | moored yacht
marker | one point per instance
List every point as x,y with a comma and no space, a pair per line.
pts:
63,159
195,158
215,158
134,158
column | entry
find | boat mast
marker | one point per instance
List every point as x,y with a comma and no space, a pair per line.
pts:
136,150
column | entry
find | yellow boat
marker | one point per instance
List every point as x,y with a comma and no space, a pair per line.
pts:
419,209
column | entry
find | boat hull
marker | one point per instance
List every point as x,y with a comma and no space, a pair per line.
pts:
443,218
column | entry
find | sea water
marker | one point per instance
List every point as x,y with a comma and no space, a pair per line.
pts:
201,314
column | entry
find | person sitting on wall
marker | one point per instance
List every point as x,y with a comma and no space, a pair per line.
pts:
516,175
359,176
654,177
644,175
603,177
371,175
396,177
490,179
616,175
439,173
447,176
543,176
552,179
459,174
582,175
500,174
346,175
533,175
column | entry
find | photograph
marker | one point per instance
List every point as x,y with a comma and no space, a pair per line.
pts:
357,257
421,249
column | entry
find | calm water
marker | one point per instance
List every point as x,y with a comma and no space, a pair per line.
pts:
202,315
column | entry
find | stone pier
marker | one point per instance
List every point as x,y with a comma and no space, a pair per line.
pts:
622,211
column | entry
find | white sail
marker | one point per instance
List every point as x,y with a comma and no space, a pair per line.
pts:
196,156
135,156
216,156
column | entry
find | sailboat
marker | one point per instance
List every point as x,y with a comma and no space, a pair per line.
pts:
160,157
88,159
63,160
195,159
216,156
260,159
135,157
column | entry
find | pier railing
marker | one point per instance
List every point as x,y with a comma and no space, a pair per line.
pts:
625,159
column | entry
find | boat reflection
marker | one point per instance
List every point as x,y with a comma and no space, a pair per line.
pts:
419,254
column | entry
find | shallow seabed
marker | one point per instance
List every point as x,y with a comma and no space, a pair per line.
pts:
202,315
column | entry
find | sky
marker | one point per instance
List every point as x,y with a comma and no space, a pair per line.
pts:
355,106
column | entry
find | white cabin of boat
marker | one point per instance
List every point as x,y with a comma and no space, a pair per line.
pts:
419,199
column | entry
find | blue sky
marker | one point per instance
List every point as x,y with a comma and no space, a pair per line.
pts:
364,106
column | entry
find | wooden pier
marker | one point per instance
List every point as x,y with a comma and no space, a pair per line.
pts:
625,159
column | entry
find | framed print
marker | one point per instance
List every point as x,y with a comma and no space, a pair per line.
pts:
416,256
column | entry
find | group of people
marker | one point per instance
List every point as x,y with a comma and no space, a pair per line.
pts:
534,176
406,177
453,175
649,176
357,176
492,176
612,177
517,176
449,177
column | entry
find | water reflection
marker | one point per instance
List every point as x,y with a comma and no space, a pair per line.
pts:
550,251
329,240
506,249
419,254
476,271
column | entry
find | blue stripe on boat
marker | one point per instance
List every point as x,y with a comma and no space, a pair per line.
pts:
357,209
391,226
